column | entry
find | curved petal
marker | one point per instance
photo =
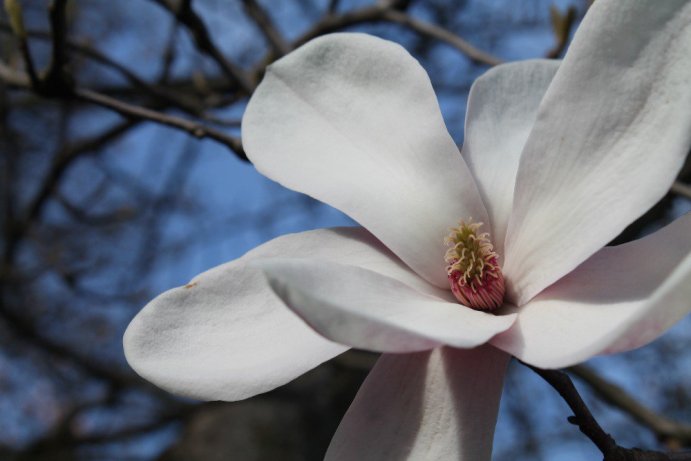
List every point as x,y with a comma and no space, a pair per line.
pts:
431,405
621,298
502,106
611,134
226,336
352,120
368,310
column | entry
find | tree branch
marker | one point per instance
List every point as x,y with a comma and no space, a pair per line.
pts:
17,230
665,429
562,25
333,6
136,112
443,35
132,111
57,79
587,424
14,11
157,93
263,21
384,13
194,23
681,189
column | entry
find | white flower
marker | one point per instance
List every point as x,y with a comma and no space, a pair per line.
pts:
558,159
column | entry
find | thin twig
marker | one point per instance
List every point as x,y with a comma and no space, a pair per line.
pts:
268,28
196,26
14,79
582,416
562,25
682,189
131,111
26,328
193,22
17,28
186,104
169,54
57,79
17,231
587,424
443,35
333,6
383,13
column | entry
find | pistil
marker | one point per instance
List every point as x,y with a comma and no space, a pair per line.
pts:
473,269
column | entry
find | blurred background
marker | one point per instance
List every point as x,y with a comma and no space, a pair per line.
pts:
122,176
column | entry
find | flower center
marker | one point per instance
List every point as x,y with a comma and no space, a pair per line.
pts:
473,268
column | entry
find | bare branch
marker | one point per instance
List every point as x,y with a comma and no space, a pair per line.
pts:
664,428
17,230
14,10
193,22
156,92
443,35
681,189
169,54
66,157
333,6
15,79
587,424
131,111
384,13
263,21
562,25
57,79
29,62
22,326
64,437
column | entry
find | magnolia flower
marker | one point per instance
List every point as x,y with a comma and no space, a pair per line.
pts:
558,159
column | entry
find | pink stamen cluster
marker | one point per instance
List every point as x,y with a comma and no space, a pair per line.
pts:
473,269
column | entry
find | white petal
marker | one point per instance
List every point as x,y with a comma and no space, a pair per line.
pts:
502,106
226,336
611,134
621,298
438,405
352,120
367,310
